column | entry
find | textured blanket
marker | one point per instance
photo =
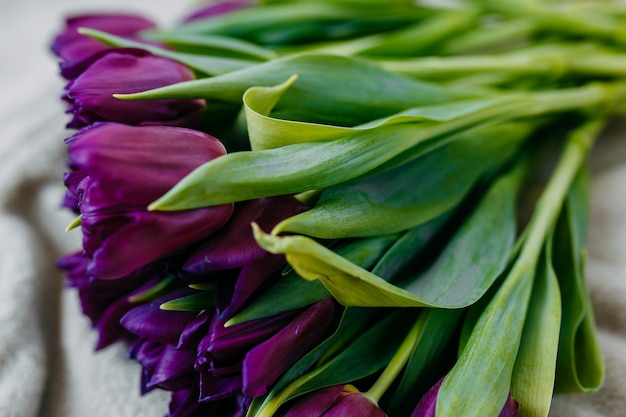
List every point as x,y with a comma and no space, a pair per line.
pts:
47,364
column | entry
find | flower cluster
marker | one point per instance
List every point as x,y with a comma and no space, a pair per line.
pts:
311,208
126,155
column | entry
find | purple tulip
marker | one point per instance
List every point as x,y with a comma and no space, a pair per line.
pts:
90,95
427,405
163,366
336,401
150,322
217,9
126,168
104,302
266,362
235,247
77,51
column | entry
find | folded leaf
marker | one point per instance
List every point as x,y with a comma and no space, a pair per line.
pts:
580,366
534,372
439,181
463,264
292,292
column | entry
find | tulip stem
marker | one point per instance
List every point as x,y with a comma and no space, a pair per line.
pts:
397,363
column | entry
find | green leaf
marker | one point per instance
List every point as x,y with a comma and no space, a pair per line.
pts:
299,22
381,204
459,277
195,302
292,292
580,367
437,329
330,89
479,383
369,353
213,45
408,247
270,132
309,166
210,65
532,383
157,290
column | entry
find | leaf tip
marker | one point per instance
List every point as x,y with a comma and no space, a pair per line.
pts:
74,224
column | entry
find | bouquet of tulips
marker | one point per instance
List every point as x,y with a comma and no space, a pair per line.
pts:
342,208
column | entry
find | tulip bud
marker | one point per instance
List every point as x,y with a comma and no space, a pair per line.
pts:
90,95
337,401
427,405
215,9
78,51
126,168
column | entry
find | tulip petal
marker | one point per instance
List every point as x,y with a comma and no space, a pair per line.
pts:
119,234
90,95
150,322
265,363
234,246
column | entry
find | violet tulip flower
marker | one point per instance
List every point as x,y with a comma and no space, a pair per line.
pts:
216,9
427,405
234,248
126,168
336,401
105,302
78,51
90,95
250,357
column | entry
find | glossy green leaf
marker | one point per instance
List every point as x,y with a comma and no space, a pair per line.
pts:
306,166
212,45
195,302
532,383
580,366
161,288
210,65
366,354
479,383
381,204
280,24
438,328
330,89
408,247
309,166
270,132
292,292
463,264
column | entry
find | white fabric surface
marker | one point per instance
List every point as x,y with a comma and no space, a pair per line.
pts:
47,364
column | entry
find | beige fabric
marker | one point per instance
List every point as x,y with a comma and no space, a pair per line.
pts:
47,364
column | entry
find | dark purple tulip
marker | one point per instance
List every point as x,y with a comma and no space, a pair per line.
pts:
126,168
265,363
337,401
163,366
105,301
150,322
235,247
217,9
90,95
78,51
428,404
